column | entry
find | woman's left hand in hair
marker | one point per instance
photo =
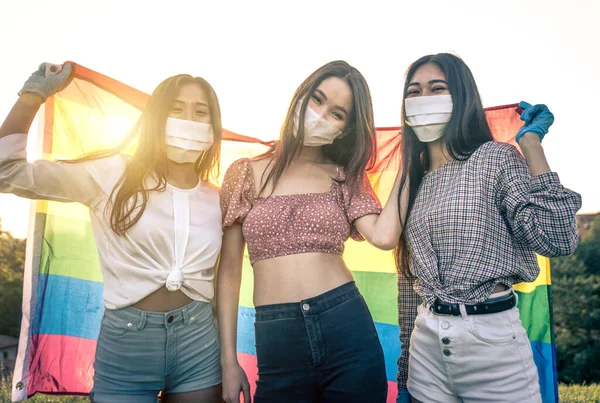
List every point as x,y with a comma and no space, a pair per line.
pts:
537,118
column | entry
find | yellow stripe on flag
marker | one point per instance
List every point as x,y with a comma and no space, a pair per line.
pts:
542,279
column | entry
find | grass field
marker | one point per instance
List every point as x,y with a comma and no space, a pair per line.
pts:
579,393
567,394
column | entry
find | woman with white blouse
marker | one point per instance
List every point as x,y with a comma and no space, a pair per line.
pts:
157,224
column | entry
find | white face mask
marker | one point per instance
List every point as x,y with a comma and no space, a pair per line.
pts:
186,140
317,130
427,116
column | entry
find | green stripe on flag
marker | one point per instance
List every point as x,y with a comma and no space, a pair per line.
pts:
534,310
69,249
380,290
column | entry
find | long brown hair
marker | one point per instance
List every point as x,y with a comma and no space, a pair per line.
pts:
355,150
465,132
129,196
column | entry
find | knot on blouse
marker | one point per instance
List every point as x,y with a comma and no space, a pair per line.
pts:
174,280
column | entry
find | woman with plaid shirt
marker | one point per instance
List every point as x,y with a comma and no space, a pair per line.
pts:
475,213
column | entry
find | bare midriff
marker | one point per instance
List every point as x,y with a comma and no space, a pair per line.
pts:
293,278
163,300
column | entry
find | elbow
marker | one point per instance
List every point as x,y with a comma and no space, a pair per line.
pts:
385,241
567,248
573,244
554,237
11,171
562,246
387,246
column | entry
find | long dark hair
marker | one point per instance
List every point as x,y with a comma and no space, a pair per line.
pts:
466,131
129,196
355,150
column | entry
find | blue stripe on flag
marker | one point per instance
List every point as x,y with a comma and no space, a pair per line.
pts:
68,306
543,354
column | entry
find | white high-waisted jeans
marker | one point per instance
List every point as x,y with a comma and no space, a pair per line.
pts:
471,358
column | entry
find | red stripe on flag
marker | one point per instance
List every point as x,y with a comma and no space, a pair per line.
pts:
248,362
132,96
48,125
61,364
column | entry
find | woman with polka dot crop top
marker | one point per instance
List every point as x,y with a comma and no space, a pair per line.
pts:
294,207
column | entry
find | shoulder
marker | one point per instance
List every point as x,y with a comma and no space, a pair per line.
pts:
238,178
108,166
238,169
211,187
496,154
496,148
259,165
107,171
123,157
241,163
259,169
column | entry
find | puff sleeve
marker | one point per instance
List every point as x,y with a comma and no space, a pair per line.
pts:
237,192
359,203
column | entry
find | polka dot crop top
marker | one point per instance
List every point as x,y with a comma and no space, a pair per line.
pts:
281,225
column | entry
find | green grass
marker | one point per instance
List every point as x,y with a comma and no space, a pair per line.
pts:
6,392
567,394
579,393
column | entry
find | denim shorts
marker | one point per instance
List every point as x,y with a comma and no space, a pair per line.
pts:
140,353
322,349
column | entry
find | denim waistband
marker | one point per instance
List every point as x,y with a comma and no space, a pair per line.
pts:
310,306
141,318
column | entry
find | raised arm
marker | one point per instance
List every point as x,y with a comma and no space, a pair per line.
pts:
42,179
34,93
538,120
538,209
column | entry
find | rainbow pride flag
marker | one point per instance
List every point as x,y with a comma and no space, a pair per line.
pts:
62,295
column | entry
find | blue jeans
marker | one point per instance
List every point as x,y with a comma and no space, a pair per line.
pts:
140,353
323,349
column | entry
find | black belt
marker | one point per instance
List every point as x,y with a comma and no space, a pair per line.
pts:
444,308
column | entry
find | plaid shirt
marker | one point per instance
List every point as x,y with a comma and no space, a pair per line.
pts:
479,222
408,301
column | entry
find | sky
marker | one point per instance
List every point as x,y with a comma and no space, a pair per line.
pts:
256,53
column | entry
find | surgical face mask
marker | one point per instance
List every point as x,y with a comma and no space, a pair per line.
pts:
187,140
317,130
428,116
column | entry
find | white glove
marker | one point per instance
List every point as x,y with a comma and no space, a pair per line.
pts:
44,86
